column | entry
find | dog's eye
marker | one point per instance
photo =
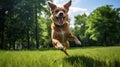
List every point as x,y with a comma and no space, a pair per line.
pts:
57,11
63,11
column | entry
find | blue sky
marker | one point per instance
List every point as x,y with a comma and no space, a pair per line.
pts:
86,6
92,4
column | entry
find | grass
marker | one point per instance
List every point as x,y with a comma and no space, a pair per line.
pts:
79,57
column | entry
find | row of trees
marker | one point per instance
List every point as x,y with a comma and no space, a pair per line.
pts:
101,27
26,24
21,24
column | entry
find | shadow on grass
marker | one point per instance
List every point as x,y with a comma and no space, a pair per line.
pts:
84,61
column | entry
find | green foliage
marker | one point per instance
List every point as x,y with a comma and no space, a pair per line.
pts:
79,57
25,23
103,26
45,31
80,22
79,30
20,23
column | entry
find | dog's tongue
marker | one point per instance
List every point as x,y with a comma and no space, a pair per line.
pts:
61,20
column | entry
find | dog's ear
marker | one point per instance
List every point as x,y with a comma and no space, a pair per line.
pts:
67,5
51,5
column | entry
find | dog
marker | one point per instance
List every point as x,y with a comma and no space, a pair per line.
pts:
61,33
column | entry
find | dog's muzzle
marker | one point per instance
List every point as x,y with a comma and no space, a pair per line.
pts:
60,17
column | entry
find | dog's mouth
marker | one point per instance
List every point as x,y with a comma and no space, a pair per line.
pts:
60,20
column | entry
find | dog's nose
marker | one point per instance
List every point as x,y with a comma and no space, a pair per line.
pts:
61,14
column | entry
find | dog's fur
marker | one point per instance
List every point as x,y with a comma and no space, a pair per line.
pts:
60,27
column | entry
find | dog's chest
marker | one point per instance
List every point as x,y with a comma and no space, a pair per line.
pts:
61,32
61,35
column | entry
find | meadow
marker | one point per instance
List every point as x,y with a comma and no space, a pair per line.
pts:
79,57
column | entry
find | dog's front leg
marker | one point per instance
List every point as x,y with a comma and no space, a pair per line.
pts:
59,46
55,40
74,38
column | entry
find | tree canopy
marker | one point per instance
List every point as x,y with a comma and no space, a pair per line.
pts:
101,26
26,24
19,23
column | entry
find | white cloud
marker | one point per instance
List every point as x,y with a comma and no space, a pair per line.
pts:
58,2
74,11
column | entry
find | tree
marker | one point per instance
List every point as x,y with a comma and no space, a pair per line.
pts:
44,27
103,26
19,22
6,8
80,27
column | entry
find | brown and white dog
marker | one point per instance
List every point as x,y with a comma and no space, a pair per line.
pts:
60,27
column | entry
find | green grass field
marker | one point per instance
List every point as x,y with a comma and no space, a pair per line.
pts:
79,57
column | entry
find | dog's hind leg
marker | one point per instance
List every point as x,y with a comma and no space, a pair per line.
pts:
64,50
66,46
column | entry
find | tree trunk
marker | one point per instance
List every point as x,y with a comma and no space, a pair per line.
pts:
36,29
1,39
105,39
28,39
37,37
13,43
2,20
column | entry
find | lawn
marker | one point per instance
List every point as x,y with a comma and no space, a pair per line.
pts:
79,57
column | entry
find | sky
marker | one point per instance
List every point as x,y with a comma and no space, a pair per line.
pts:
79,7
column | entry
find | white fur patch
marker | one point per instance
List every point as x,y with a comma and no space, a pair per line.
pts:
57,15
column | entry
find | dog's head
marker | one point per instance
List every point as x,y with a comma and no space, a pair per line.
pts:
59,15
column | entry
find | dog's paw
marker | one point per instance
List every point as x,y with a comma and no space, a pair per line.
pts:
78,42
60,47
